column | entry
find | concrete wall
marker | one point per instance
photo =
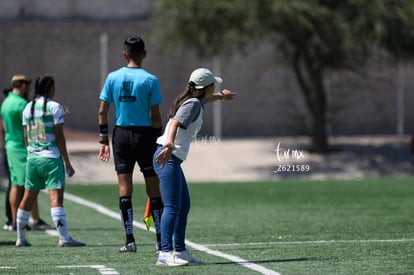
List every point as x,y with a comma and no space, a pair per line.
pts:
64,9
269,101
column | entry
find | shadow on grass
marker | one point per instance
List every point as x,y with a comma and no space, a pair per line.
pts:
7,243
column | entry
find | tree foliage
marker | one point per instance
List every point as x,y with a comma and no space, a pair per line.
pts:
211,28
312,36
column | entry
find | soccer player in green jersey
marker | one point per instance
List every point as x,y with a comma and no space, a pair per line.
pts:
46,160
11,113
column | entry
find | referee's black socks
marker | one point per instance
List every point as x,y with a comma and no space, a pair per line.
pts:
125,206
156,210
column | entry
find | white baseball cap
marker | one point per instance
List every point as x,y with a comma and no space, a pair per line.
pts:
203,77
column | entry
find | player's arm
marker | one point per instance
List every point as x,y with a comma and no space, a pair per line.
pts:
61,143
223,95
168,147
155,100
156,120
103,118
2,135
26,142
104,152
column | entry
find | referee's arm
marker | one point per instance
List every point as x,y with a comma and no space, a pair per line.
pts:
156,117
104,152
103,115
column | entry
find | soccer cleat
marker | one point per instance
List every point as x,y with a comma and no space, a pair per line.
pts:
21,242
42,225
70,243
186,256
130,247
169,259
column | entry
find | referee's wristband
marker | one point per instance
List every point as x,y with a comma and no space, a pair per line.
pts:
104,142
103,130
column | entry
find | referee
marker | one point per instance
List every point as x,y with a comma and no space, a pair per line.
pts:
136,96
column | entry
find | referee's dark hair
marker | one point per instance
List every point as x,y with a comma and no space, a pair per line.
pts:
134,46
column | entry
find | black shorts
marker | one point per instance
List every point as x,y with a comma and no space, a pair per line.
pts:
134,145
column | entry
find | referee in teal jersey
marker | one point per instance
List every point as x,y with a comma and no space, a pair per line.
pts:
136,96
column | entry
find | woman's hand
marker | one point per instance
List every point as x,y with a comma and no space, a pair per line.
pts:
164,156
223,95
228,95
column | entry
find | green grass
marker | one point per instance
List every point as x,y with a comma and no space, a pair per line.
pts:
278,225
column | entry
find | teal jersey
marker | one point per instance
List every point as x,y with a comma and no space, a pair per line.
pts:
40,128
11,113
132,91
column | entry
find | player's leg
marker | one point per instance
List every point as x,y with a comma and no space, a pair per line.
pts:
35,207
125,190
145,152
14,200
9,223
17,164
54,175
59,219
32,186
6,177
156,205
124,165
39,223
152,186
35,212
23,215
58,213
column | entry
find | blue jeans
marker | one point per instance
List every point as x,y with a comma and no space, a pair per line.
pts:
176,199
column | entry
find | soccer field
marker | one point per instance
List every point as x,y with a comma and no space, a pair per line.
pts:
286,227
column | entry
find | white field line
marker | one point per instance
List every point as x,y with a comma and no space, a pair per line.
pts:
107,212
309,242
100,268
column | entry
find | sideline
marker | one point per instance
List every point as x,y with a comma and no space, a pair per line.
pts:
107,212
309,242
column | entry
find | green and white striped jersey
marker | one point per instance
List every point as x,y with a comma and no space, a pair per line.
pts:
40,129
